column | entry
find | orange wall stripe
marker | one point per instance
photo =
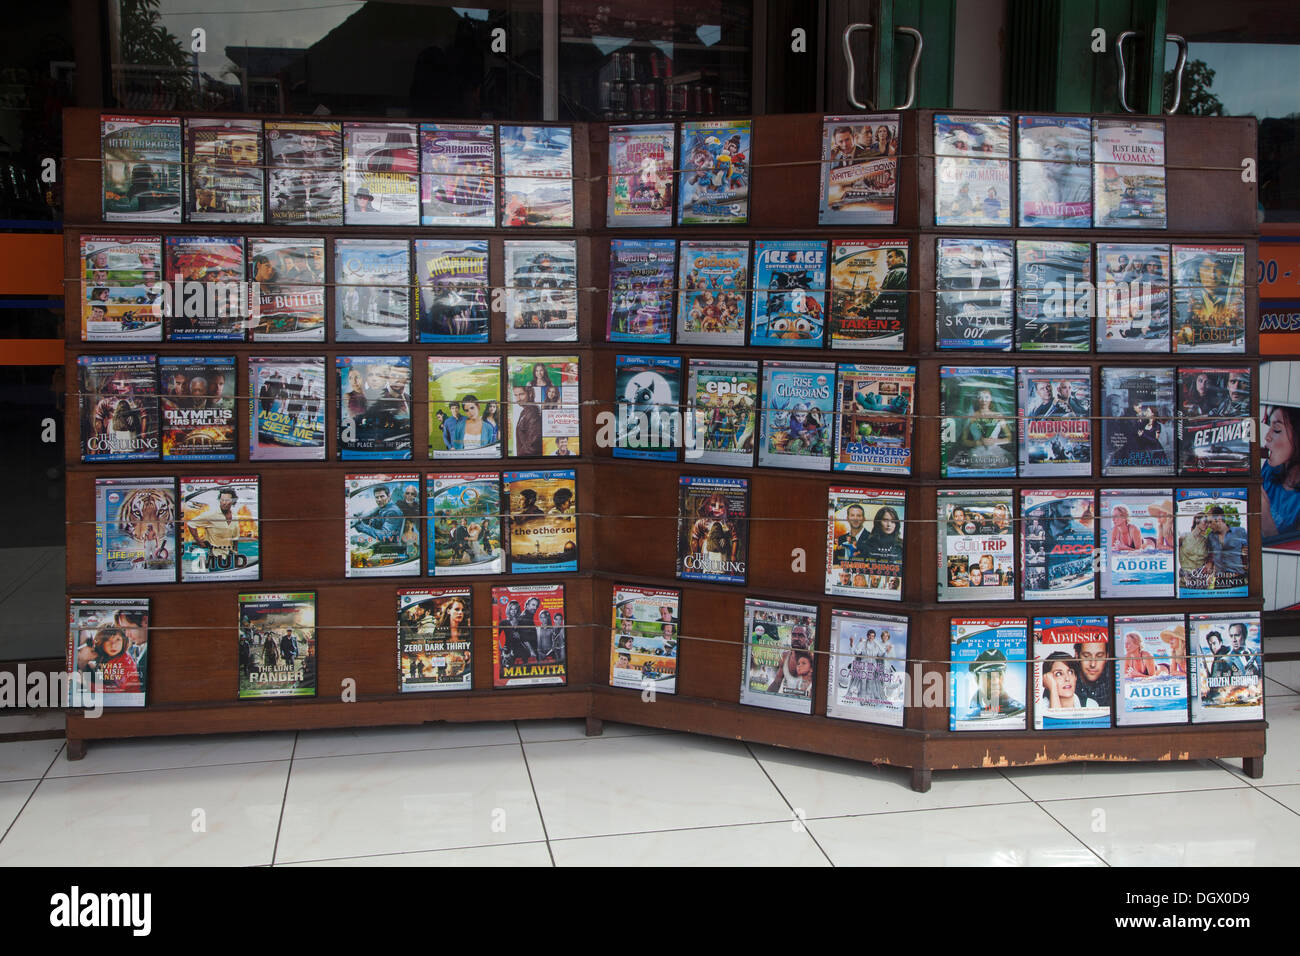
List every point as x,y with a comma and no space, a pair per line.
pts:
31,351
31,264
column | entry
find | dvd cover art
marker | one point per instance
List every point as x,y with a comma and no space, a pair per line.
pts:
867,669
305,179
374,406
135,530
649,407
713,166
466,520
537,166
383,525
1054,295
1279,453
1215,422
780,667
869,293
528,635
1213,543
121,300
224,162
451,290
1055,171
381,174
789,293
288,278
1128,174
543,526
458,174
1150,669
220,538
859,170
873,418
465,406
1057,543
641,290
988,674
107,653
972,170
712,529
277,645
974,304
798,408
141,175
287,420
435,639
1055,421
1073,687
198,407
541,290
977,434
544,405
1137,429
864,542
1137,543
644,638
1209,298
1227,667
209,300
1133,297
372,300
976,546
714,281
723,396
641,175
119,407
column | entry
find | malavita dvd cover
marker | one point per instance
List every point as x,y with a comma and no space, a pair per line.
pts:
451,290
1128,174
972,170
797,427
641,290
537,171
381,174
712,529
1209,298
977,431
977,560
974,304
859,170
864,542
789,306
1073,687
209,301
1137,427
435,639
374,407
383,525
644,638
1213,542
107,652
528,635
1227,667
457,178
867,667
220,534
780,666
873,419
142,166
640,191
277,645
223,164
1215,423
135,530
198,407
543,520
372,298
541,290
1133,297
1055,171
714,173
649,421
869,294
1150,669
119,407
1054,294
544,406
1055,421
723,398
1137,542
305,175
988,674
714,281
288,276
120,301
1057,540
287,408
465,522
465,417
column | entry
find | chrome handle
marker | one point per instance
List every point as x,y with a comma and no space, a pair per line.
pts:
853,75
1123,70
911,69
1178,68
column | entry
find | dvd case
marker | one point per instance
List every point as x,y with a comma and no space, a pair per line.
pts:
1150,669
1137,430
122,300
141,173
528,635
372,301
867,667
451,290
649,393
277,645
1054,294
798,407
1227,667
288,289
713,170
1133,297
972,170
978,406
864,542
714,280
107,653
712,529
974,304
541,290
374,407
383,522
977,547
780,666
381,174
543,405
1057,543
209,300
1213,543
1128,174
287,408
435,639
873,418
641,290
640,189
135,530
859,170
119,407
220,535
305,175
869,293
198,407
465,406
1055,419
543,520
465,517
1209,298
1073,687
1215,423
644,638
1055,171
537,166
723,399
458,175
789,305
988,673
1137,543
224,170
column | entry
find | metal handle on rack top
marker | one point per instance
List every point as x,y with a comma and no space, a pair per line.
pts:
911,69
853,75
1178,69
1123,69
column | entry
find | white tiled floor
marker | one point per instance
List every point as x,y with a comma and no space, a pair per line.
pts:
542,793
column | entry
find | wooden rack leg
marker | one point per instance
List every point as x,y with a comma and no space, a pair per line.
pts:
1253,767
76,749
920,780
595,727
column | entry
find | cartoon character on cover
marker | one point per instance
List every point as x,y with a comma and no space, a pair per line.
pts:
731,164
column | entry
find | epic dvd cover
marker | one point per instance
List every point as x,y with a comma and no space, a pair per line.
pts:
641,290
528,635
537,171
859,170
640,189
974,305
383,525
119,407
712,529
988,674
1227,667
277,645
1215,423
723,399
458,175
780,666
1057,542
977,432
305,179
713,166
465,406
465,518
119,280
135,530
288,276
1132,297
1137,429
714,280
1055,171
789,293
1073,687
1213,543
867,669
451,290
1055,421
209,300
435,639
223,164
649,406
374,407
541,290
869,293
287,419
864,542
972,170
798,408
381,174
107,653
141,174
1150,669
543,405
976,546
873,418
373,290
1054,295
1137,543
644,638
220,537
1209,298
543,525
198,407
1128,173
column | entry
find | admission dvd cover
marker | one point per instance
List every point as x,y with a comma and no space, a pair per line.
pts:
869,293
640,191
220,537
374,407
859,170
457,175
198,407
714,280
277,645
977,432
713,166
383,525
1055,171
780,666
381,174
135,530
649,407
435,639
1128,174
1209,298
797,427
537,166
305,175
789,306
1215,422
1150,669
1137,428
141,173
224,170
1055,418
464,513
107,653
121,301
543,520
1133,297
723,398
1137,543
1073,687
451,290
712,529
988,674
1227,667
864,542
528,635
873,418
372,298
1054,294
543,404
976,546
119,407
867,667
1213,543
465,418
1058,538
972,170
287,408
644,638
974,304
288,276
641,290
209,300
541,290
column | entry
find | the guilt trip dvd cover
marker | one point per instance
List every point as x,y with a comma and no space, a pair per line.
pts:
976,545
712,529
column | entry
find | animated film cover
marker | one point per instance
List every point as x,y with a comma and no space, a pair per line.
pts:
859,173
867,668
869,293
988,678
780,666
789,293
713,166
305,179
119,407
141,168
723,396
465,418
528,635
451,290
798,408
220,540
641,290
649,406
873,419
435,639
198,407
277,645
465,514
644,638
712,529
641,175
287,419
135,530
864,542
120,300
714,282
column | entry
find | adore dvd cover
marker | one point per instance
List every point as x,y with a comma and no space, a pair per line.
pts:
1137,542
1150,669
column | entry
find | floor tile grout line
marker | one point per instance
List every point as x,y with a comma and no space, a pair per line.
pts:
690,829
443,849
1145,793
284,798
1264,791
1051,816
523,751
786,800
12,823
196,766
